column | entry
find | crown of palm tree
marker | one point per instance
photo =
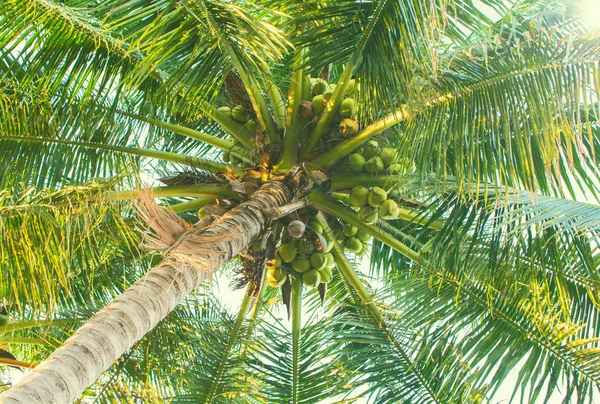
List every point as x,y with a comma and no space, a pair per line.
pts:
483,134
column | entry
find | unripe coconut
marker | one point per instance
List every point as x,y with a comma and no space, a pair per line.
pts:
319,86
201,213
348,127
306,110
389,210
318,104
371,149
326,275
347,108
364,249
276,277
278,261
363,236
316,227
353,245
389,156
340,237
288,252
301,264
329,259
368,215
374,165
327,95
349,230
377,196
306,247
350,88
329,245
318,260
239,114
251,126
225,111
359,196
311,278
395,168
356,162
296,228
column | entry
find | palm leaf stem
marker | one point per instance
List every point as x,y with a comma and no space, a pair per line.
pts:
296,327
230,343
14,362
195,162
199,191
275,97
349,275
22,340
237,130
290,140
20,325
194,204
341,181
329,205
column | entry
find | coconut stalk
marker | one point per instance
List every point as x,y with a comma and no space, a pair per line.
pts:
190,257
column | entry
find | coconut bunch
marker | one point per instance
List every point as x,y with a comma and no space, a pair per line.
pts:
237,113
303,251
373,204
353,239
374,159
322,91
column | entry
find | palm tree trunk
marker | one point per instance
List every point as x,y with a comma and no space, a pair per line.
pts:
65,374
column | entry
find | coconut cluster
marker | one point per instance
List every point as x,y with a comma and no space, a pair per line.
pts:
322,91
374,159
373,204
237,113
353,239
305,251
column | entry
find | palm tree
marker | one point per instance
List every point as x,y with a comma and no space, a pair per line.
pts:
452,143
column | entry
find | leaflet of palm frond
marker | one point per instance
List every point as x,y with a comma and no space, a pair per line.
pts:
237,92
7,355
191,177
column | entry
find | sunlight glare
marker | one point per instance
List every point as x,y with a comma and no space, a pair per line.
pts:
591,11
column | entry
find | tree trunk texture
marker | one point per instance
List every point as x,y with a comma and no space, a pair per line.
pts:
65,374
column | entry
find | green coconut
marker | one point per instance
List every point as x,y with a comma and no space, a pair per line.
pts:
330,260
389,156
201,213
318,260
278,260
326,274
296,228
389,210
356,162
374,165
359,196
301,264
368,215
395,168
364,249
311,278
239,114
353,245
316,227
348,127
306,247
363,236
276,277
319,86
371,149
288,252
377,196
347,108
225,111
251,126
350,88
327,95
349,230
340,237
318,104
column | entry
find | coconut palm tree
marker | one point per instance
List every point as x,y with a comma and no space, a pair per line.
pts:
454,144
